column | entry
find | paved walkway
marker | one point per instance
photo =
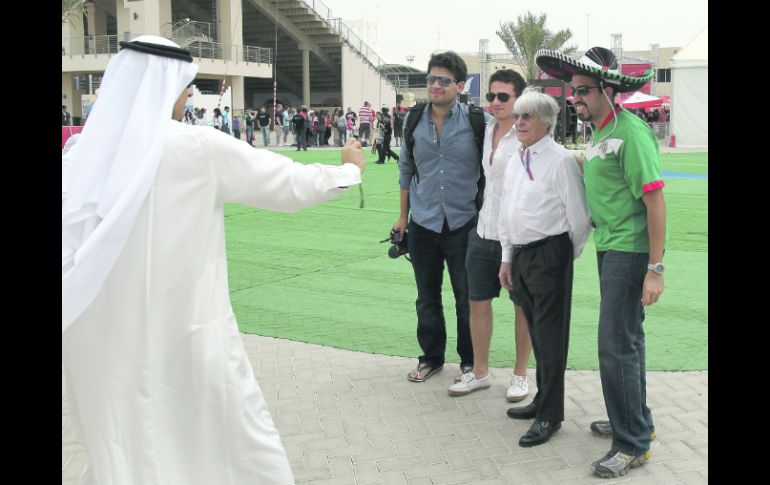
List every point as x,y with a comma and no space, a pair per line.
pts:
352,418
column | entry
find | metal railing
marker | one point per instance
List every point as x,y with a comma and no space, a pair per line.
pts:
661,132
190,28
260,55
337,25
92,44
108,44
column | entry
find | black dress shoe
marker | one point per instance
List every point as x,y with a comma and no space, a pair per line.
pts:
525,412
539,433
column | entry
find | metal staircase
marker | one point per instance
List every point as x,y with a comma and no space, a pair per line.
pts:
186,32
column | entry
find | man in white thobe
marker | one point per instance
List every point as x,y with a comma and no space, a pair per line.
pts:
160,388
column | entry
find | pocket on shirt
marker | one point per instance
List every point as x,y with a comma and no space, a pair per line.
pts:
533,196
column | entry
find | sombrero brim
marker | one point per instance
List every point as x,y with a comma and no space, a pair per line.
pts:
561,66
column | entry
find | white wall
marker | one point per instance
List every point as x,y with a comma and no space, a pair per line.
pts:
360,82
690,105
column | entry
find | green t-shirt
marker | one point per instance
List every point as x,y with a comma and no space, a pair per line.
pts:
618,171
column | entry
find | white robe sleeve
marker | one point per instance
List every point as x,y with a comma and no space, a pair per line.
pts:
267,180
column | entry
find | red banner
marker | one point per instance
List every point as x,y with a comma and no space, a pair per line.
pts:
68,131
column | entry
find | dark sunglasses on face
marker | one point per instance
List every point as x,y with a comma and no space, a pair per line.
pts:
582,90
442,80
503,97
523,116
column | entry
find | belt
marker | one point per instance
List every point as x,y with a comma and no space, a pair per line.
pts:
538,242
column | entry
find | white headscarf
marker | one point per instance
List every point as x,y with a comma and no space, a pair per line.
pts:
108,173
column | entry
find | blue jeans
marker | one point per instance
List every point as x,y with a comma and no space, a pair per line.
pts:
266,135
621,349
301,137
428,251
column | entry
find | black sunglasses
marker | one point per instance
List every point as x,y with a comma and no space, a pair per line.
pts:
523,116
583,90
503,97
442,80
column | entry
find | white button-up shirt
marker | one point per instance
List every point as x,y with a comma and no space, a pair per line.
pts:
549,204
494,170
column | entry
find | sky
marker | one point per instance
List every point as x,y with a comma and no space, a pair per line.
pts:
399,28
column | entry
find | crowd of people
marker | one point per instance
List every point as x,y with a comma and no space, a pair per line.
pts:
155,367
654,115
307,127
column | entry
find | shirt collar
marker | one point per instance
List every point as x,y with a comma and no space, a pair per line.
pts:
537,148
609,117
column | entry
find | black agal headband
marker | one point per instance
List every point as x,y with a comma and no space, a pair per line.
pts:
158,50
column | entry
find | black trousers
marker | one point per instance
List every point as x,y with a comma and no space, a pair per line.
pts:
429,252
542,284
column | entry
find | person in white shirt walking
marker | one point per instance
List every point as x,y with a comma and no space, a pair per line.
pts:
544,225
482,261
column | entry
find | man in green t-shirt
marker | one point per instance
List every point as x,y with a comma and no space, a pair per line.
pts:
625,197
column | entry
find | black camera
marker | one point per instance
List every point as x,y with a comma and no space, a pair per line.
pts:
397,247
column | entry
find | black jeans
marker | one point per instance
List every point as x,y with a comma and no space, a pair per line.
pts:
428,251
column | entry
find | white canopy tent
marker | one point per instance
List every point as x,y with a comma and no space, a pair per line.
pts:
690,93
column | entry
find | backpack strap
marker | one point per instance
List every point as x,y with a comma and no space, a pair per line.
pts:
479,125
412,118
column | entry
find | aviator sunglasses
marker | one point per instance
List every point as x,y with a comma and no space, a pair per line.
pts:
503,97
442,80
582,90
523,116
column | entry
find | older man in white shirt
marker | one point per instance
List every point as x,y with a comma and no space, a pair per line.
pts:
544,225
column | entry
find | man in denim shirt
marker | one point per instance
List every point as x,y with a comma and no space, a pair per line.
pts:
441,196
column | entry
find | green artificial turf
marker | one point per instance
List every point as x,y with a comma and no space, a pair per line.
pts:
321,276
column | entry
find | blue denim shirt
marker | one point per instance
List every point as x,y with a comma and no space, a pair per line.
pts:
449,171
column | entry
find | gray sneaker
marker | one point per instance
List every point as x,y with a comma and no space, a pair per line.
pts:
617,464
603,428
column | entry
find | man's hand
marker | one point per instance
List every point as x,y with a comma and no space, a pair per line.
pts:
652,289
351,153
506,279
400,227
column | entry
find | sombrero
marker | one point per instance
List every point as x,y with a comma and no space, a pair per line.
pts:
598,62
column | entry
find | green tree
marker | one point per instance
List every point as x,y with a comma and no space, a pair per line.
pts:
72,7
527,36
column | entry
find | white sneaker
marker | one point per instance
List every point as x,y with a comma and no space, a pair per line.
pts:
518,390
468,383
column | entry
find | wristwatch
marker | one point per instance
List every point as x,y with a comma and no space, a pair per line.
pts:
656,267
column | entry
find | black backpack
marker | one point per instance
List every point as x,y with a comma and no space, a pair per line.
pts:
478,123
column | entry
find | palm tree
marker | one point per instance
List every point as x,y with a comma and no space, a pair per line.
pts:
527,36
70,7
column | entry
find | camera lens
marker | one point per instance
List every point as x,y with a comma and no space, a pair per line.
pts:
393,252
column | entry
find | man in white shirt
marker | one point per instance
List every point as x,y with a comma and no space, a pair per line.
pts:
544,225
483,257
159,385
